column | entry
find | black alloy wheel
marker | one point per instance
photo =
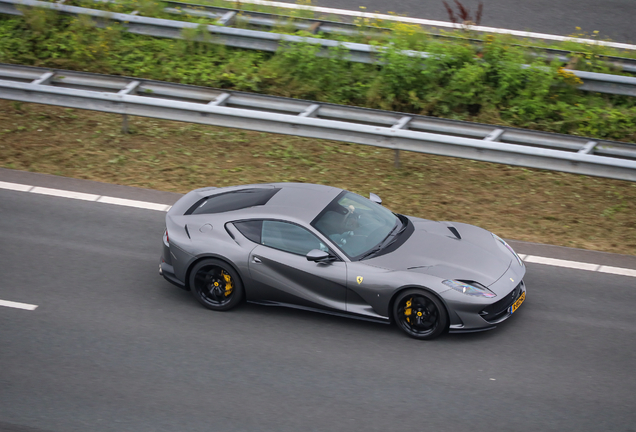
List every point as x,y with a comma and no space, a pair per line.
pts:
216,285
420,314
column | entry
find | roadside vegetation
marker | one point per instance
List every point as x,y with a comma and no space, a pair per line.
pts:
517,203
415,36
459,80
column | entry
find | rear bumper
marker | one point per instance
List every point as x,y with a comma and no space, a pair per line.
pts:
167,271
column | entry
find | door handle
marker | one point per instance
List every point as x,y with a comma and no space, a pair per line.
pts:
256,259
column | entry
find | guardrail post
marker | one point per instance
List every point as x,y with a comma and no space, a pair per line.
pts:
588,148
227,19
131,88
310,111
495,135
402,123
220,100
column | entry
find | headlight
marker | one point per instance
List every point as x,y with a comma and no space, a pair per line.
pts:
475,290
503,242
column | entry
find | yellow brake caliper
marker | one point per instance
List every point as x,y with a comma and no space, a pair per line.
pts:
228,284
408,310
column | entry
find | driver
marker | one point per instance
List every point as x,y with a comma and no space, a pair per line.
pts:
350,221
339,224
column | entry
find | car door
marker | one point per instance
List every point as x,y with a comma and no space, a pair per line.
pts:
281,272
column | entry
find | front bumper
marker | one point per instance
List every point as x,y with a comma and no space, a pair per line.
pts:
480,317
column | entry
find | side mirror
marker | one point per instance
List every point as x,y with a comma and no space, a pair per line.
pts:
318,255
376,199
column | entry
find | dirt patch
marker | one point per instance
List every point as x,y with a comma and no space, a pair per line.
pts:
517,203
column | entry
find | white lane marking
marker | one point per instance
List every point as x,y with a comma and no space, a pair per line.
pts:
617,271
17,305
561,263
64,194
163,207
15,186
133,203
434,23
84,196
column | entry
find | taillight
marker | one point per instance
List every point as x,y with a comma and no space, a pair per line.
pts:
166,239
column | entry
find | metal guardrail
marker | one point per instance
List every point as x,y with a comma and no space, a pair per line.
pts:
204,105
260,20
266,41
430,23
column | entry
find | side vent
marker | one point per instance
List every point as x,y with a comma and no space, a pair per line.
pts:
187,232
455,232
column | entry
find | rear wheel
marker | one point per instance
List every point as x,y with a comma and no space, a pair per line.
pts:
419,314
216,285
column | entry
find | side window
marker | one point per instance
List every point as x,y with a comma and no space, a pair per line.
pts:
250,229
289,238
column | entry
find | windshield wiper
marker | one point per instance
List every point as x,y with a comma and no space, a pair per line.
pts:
387,240
373,251
395,236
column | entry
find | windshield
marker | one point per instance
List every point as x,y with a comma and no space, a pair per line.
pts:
355,224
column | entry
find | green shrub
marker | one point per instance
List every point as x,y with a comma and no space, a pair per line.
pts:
458,80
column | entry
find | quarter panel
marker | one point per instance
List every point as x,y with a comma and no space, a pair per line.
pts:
207,237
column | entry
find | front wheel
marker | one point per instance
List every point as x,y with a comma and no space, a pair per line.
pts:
216,285
420,314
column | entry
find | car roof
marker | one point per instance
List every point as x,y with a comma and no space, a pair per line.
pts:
300,202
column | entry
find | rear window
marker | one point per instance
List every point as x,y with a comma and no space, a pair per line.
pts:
234,200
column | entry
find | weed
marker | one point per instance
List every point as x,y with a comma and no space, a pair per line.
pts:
464,17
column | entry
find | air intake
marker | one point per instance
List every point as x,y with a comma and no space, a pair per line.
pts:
455,232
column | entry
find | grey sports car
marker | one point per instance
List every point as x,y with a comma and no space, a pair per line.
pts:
325,249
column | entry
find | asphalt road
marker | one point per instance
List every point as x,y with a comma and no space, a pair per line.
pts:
612,18
114,347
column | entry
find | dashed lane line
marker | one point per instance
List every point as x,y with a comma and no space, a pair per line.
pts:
578,265
17,305
561,263
15,187
163,207
65,194
133,203
617,271
84,196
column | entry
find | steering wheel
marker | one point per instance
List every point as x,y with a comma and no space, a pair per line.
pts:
350,218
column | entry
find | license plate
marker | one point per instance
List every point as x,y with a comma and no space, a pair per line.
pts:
516,304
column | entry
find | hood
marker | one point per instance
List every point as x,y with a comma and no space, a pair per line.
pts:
449,250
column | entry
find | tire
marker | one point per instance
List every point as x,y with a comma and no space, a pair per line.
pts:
420,314
216,285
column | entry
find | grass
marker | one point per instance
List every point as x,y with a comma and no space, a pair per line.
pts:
517,203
